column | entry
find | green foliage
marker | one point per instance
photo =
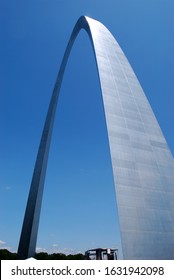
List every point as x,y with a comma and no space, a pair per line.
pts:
75,257
6,255
42,256
58,256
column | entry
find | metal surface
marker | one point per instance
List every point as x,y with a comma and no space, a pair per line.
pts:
143,167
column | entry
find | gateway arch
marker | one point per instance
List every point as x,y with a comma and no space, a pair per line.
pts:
143,166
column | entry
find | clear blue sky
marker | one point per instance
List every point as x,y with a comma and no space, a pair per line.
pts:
79,206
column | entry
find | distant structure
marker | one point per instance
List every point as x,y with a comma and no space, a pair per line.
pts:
143,166
101,254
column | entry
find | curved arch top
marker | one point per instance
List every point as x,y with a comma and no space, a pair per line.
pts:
141,160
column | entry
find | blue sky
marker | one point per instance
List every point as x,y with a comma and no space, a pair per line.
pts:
79,206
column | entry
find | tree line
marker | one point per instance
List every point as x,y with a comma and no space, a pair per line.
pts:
6,255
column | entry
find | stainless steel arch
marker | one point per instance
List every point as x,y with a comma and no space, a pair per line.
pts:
142,163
